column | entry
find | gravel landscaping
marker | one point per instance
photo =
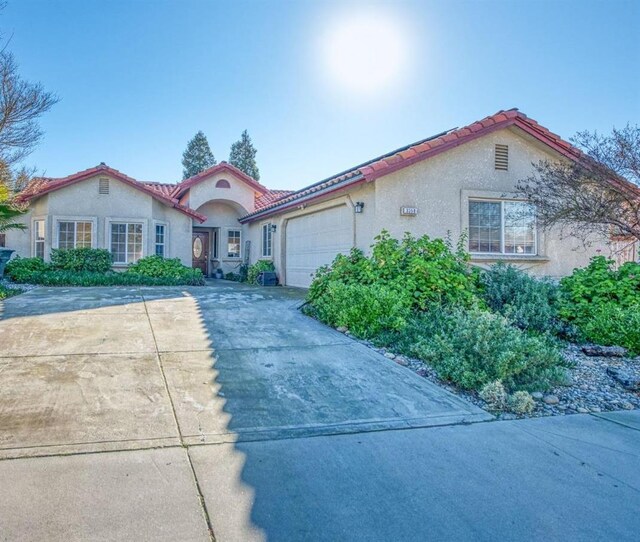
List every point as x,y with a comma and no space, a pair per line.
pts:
14,286
595,383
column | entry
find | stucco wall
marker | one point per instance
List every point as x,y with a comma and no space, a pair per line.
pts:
81,201
223,215
238,192
440,187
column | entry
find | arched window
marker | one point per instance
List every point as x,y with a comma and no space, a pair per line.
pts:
222,183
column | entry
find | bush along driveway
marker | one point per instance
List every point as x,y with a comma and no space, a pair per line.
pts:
509,342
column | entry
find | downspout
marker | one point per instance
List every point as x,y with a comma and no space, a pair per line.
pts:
353,212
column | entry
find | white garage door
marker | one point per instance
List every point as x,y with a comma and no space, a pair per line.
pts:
314,240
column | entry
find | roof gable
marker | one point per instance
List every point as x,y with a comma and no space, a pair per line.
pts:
415,152
181,188
43,185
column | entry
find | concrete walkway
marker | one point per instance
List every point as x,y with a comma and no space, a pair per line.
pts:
194,413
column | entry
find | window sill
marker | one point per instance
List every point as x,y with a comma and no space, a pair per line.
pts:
232,259
508,258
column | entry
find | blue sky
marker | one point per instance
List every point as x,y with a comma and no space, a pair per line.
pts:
137,79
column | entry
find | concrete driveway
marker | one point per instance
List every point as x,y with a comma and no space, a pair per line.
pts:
189,413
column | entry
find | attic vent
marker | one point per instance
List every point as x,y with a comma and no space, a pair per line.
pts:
502,157
103,188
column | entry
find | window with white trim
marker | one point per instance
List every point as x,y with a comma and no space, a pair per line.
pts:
502,227
267,241
234,238
75,234
160,240
38,238
126,242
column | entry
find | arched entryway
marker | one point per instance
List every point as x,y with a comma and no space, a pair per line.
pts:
218,243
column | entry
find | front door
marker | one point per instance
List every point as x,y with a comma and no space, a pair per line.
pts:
200,251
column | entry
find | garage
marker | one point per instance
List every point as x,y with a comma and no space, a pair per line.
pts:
314,240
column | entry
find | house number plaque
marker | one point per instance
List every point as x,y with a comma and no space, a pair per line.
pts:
408,211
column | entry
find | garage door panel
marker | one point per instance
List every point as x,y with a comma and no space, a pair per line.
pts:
314,240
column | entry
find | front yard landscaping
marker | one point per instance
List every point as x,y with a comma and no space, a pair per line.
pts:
92,267
508,341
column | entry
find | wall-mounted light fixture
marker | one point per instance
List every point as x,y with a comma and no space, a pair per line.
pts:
273,228
358,206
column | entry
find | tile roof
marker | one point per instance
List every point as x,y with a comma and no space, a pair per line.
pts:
166,189
43,185
420,150
182,187
266,199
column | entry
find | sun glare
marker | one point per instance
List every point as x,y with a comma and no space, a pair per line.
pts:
365,54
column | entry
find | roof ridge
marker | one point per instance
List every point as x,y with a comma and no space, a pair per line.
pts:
420,150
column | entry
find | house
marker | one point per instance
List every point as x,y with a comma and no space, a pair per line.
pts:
458,181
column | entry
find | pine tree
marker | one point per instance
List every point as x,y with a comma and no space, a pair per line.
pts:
197,157
243,156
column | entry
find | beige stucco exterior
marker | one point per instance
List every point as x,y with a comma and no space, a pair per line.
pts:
440,187
222,207
83,202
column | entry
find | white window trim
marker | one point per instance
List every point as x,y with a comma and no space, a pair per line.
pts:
107,235
166,236
35,219
226,245
502,252
264,256
55,238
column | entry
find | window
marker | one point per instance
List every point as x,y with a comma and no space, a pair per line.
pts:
266,241
126,242
222,183
160,244
38,238
502,227
72,234
233,243
3,240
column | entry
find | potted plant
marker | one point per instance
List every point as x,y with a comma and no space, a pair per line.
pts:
8,214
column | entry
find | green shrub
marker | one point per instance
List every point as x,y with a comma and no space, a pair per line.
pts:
161,268
494,395
521,402
96,260
235,277
260,266
60,277
611,324
527,302
604,303
365,310
23,269
471,348
428,271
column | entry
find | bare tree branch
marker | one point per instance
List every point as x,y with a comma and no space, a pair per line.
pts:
598,194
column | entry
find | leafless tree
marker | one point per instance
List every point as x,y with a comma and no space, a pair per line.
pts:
21,105
596,193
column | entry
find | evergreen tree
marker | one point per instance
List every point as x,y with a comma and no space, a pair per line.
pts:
243,156
197,157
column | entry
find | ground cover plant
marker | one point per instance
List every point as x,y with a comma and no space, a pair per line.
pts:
92,267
